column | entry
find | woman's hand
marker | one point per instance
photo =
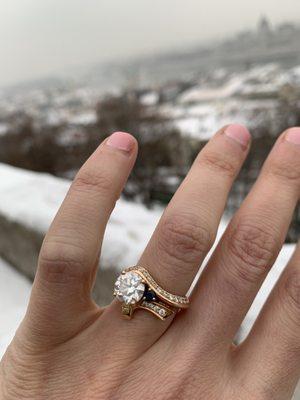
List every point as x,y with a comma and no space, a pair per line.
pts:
69,348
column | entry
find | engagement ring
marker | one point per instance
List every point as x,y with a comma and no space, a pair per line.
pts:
135,288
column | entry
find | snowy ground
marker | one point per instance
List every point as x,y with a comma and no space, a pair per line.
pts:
14,295
33,199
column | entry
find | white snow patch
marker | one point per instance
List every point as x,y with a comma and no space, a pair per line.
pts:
204,94
4,129
266,288
86,118
30,198
14,296
150,98
33,199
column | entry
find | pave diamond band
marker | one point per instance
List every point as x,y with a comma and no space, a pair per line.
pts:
136,288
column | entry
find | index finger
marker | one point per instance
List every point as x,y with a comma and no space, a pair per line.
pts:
69,255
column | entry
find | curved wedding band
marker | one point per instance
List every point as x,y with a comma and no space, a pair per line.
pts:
135,288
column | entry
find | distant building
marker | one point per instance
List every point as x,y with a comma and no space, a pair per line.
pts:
266,44
286,29
264,27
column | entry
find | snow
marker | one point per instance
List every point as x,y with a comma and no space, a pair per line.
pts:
245,97
4,129
33,199
71,136
204,94
195,127
217,98
201,121
85,118
30,198
266,288
150,98
127,233
260,79
14,296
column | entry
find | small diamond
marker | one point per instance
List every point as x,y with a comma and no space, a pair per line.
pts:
129,288
162,312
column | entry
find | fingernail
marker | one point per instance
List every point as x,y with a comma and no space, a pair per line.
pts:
121,141
238,133
293,135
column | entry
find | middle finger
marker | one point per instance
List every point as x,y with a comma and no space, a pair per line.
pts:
188,227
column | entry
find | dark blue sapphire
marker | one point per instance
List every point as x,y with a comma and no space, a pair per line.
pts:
150,295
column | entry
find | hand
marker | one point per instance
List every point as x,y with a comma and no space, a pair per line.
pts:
69,348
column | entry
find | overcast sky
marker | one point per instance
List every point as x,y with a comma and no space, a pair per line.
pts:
40,37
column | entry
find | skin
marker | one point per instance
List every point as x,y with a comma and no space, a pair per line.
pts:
69,348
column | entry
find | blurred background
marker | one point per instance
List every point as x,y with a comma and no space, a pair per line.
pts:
171,73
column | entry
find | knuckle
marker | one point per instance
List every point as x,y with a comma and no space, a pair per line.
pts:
289,295
253,249
218,163
182,238
292,288
249,393
287,170
88,181
60,263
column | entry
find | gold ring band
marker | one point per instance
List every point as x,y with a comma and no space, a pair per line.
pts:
135,288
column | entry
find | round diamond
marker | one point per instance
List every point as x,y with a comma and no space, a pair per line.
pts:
162,312
129,288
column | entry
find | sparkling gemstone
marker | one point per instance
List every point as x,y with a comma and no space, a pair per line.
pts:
129,288
150,295
162,312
